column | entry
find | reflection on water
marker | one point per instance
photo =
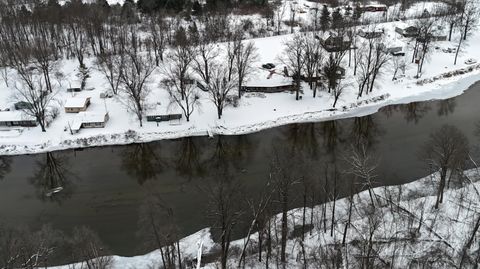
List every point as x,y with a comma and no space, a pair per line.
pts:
118,191
446,107
51,178
142,162
5,166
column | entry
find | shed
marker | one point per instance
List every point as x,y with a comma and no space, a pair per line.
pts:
163,117
77,104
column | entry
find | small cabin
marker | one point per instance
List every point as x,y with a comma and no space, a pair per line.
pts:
163,117
375,8
410,31
89,120
370,34
336,43
16,119
77,104
76,89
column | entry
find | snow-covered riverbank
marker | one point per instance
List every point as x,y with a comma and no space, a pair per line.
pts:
23,143
255,112
406,228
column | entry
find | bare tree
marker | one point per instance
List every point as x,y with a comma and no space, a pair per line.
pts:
179,81
338,91
424,40
294,59
23,248
207,52
467,23
31,90
225,196
87,249
134,77
283,176
279,13
158,36
246,55
363,166
446,152
158,228
332,71
111,66
179,67
184,95
314,56
220,87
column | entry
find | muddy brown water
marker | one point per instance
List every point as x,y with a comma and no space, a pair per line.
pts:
104,187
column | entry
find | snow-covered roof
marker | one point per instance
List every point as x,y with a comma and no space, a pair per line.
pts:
14,116
269,78
76,102
88,117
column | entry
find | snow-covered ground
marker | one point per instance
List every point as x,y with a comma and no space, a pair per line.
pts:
255,111
404,224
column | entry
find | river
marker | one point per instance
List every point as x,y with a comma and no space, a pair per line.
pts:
104,187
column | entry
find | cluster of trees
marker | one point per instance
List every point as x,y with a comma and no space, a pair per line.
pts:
21,247
34,41
271,226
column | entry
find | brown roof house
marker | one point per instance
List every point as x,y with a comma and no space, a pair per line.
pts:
77,104
334,43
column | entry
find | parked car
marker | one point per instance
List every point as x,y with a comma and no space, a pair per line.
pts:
449,50
471,61
268,66
106,94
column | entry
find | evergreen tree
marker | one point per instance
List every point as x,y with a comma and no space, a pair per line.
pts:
325,19
337,19
357,13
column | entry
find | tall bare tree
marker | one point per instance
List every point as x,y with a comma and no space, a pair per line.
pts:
225,210
246,55
220,87
445,151
31,90
294,59
137,70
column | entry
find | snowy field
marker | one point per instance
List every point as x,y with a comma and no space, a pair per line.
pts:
255,112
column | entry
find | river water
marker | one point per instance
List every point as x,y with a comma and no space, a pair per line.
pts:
104,187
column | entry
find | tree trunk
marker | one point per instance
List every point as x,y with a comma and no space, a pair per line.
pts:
284,231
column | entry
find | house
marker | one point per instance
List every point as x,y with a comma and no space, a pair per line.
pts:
370,34
16,118
163,117
76,89
396,51
89,120
269,81
22,105
410,31
336,43
375,8
77,104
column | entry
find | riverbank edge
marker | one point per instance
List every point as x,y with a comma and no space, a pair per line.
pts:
418,188
440,90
